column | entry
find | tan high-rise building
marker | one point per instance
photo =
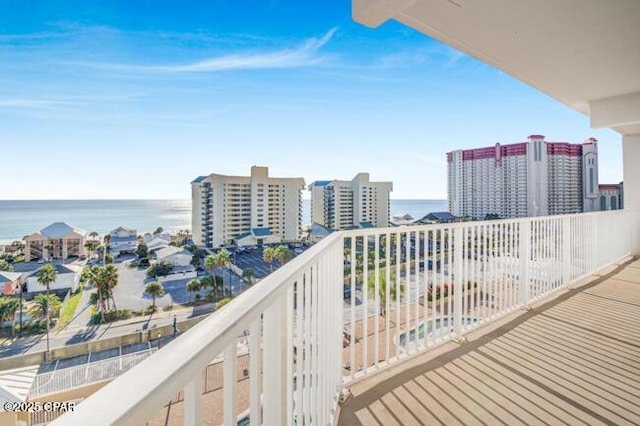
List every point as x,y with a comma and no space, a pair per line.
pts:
343,204
246,210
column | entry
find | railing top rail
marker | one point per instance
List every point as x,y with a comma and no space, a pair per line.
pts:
137,394
453,225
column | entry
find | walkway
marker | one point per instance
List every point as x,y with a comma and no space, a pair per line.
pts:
574,360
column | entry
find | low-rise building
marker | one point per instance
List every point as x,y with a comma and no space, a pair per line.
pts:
68,279
57,241
174,256
157,244
437,217
402,219
257,236
123,240
610,196
10,282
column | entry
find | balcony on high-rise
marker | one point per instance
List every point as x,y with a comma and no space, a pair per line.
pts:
519,321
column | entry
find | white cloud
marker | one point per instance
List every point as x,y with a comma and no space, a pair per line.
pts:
30,103
305,55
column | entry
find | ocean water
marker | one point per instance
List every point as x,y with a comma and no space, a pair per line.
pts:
24,217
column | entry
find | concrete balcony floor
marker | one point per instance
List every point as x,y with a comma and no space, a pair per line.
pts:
572,360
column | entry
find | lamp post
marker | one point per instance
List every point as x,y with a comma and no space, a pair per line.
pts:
175,326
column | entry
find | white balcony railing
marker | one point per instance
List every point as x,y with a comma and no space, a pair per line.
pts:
330,318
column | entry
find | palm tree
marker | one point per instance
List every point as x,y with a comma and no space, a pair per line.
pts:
283,254
154,289
269,255
210,266
47,275
382,289
49,248
248,274
110,279
194,286
91,245
223,261
8,309
96,277
208,282
42,306
5,266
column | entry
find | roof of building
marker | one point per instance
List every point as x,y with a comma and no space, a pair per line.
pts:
321,183
609,186
130,238
15,384
170,251
122,228
61,230
320,230
439,216
6,276
261,232
199,179
402,216
157,241
64,269
366,224
243,235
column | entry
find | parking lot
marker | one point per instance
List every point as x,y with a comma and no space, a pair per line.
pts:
252,257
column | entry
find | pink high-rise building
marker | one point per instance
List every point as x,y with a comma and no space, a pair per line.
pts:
532,178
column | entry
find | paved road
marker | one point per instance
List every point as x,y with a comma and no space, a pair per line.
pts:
68,336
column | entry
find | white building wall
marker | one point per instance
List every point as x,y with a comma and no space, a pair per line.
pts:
537,184
317,204
532,179
347,203
455,183
240,203
590,176
64,281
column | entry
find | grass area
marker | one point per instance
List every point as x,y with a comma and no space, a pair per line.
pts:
69,310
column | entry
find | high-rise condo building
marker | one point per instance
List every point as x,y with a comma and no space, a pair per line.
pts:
533,178
343,204
246,210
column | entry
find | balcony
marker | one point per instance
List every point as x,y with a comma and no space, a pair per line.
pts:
448,284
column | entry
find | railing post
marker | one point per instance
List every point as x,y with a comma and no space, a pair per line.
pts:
595,247
458,255
255,368
193,402
230,378
525,257
274,342
566,250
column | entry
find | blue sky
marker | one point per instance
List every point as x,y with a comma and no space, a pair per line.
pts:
135,99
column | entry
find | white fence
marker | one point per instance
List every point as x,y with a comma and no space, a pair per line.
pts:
82,375
356,302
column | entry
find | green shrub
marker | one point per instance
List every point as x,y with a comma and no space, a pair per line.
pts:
222,302
159,270
93,298
110,316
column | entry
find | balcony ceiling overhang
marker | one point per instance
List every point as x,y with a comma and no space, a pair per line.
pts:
584,53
